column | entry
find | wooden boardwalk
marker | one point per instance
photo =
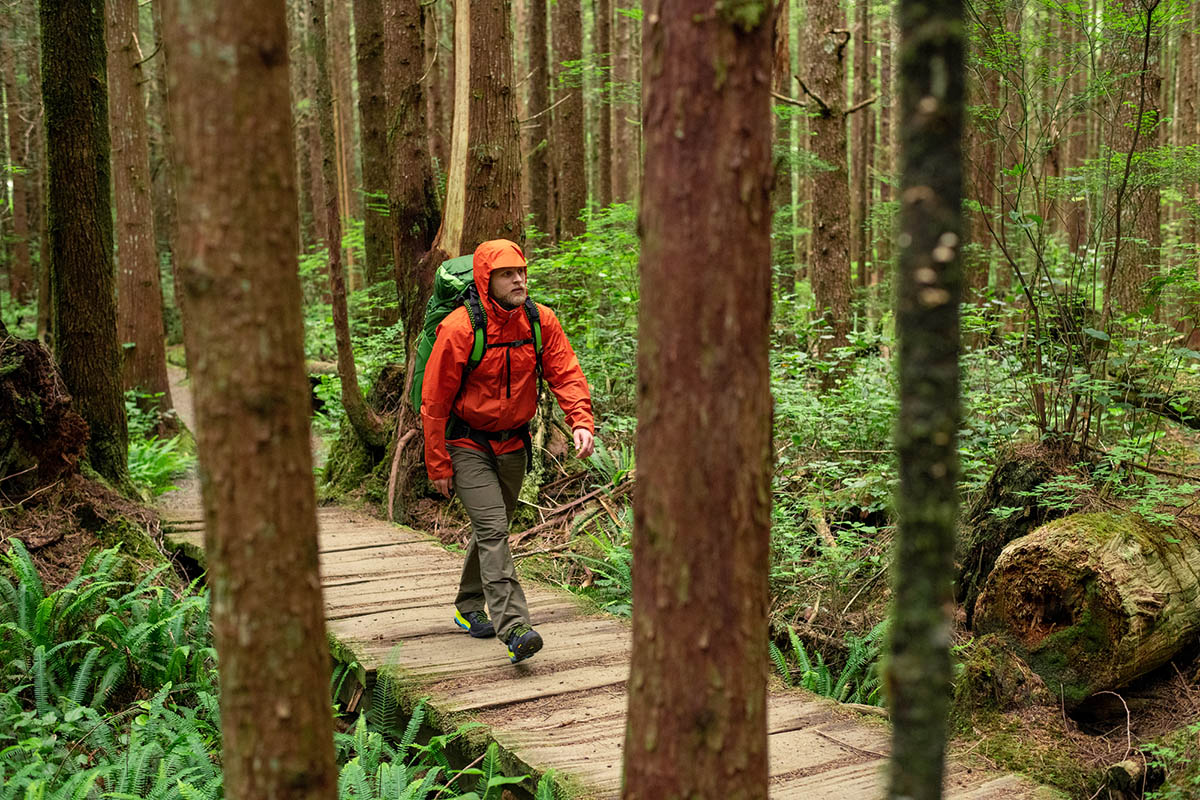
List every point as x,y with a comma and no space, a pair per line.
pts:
386,585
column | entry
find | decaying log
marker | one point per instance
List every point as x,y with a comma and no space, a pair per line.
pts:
983,534
1133,777
1093,601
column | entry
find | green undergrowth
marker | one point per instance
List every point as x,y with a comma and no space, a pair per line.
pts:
109,687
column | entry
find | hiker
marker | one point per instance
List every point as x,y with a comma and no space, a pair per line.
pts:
477,428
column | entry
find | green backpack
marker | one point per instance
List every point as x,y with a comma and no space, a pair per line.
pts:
454,286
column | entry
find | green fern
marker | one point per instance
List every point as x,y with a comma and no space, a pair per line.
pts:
414,727
780,661
545,786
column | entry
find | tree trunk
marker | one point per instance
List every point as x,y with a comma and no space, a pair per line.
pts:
37,142
702,513
339,64
569,150
829,262
929,289
372,109
1077,222
1187,131
413,209
367,425
74,91
539,119
162,178
626,111
483,184
1094,601
602,45
439,82
885,161
859,122
1135,216
20,279
781,198
981,149
231,111
302,122
139,293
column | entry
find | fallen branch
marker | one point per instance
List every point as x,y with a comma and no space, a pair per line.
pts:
392,478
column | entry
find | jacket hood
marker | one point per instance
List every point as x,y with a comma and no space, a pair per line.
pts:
493,255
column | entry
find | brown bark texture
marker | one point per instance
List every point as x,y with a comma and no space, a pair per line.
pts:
367,425
413,213
884,161
79,224
568,139
981,153
859,121
539,118
20,278
439,79
1135,233
932,75
781,197
372,112
162,179
702,513
1094,601
602,45
829,259
483,180
302,118
139,293
231,111
626,108
1077,210
339,61
40,171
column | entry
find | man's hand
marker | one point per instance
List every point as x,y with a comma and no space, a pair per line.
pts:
585,443
444,485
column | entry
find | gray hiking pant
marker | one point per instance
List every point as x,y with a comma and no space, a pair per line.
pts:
488,488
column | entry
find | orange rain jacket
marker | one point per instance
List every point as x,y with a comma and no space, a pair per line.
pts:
497,396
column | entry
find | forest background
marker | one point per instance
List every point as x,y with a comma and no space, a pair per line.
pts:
1081,351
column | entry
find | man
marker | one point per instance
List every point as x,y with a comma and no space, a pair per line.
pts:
477,432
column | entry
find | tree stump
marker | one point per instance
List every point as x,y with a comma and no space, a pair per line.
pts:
1093,601
41,437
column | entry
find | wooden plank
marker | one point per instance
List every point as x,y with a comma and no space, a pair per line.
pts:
518,688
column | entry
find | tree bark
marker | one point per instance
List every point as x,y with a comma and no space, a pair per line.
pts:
981,149
602,45
859,123
339,63
483,184
302,122
231,112
829,260
139,293
372,110
1094,601
781,79
885,162
412,199
367,425
626,109
929,288
569,150
439,82
539,119
1135,229
20,278
37,144
702,514
84,318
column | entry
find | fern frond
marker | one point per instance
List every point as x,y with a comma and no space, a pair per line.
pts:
41,681
799,651
413,728
780,661
545,786
83,676
490,768
383,702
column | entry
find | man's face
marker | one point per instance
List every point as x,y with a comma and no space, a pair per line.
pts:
507,286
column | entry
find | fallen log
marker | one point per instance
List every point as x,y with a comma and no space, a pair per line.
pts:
1093,601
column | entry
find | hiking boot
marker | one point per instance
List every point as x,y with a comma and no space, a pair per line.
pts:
523,641
475,623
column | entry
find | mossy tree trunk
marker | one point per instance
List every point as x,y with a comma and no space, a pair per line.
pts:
568,141
20,277
929,286
83,286
1094,601
702,512
231,111
368,427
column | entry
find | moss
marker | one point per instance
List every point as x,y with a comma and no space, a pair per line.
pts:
745,15
994,678
353,468
1008,743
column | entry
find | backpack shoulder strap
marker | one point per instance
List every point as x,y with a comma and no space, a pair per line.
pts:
535,326
478,324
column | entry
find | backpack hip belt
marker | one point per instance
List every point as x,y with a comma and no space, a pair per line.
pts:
456,428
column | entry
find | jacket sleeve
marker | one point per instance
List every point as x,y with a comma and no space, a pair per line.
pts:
443,376
562,371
